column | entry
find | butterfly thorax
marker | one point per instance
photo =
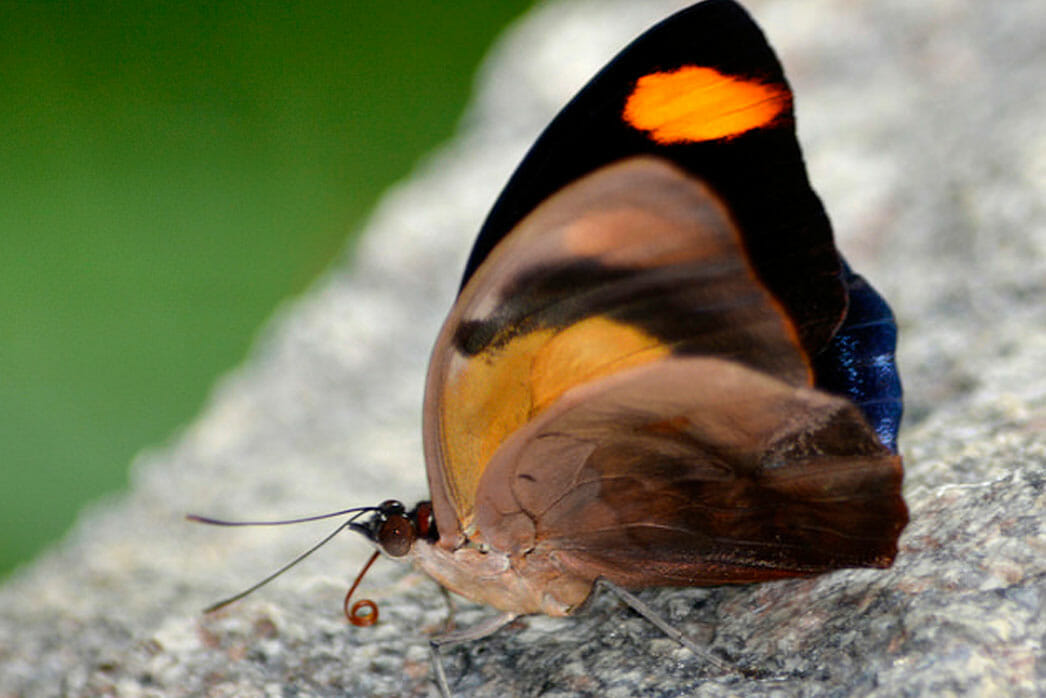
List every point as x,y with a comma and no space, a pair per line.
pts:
526,583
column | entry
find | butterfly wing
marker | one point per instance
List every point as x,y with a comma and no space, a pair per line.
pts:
664,214
628,266
704,90
693,471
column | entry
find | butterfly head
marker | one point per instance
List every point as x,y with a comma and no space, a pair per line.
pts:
394,529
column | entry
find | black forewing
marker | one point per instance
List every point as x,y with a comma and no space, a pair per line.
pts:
759,174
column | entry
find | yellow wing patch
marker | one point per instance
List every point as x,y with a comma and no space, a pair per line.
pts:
497,391
585,351
695,104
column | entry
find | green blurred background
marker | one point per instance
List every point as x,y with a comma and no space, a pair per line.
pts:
170,172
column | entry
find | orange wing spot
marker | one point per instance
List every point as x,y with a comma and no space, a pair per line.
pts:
695,104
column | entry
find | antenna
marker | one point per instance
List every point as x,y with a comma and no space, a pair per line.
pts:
356,513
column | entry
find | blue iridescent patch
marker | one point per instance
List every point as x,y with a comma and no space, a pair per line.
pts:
859,361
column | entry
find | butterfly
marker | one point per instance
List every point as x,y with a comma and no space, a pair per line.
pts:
658,370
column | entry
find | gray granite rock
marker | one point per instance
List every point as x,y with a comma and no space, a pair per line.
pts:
923,127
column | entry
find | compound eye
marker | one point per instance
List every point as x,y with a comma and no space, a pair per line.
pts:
396,535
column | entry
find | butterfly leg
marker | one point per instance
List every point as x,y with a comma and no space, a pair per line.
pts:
448,625
664,626
488,627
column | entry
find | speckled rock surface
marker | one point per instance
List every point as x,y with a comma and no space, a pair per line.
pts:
923,128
